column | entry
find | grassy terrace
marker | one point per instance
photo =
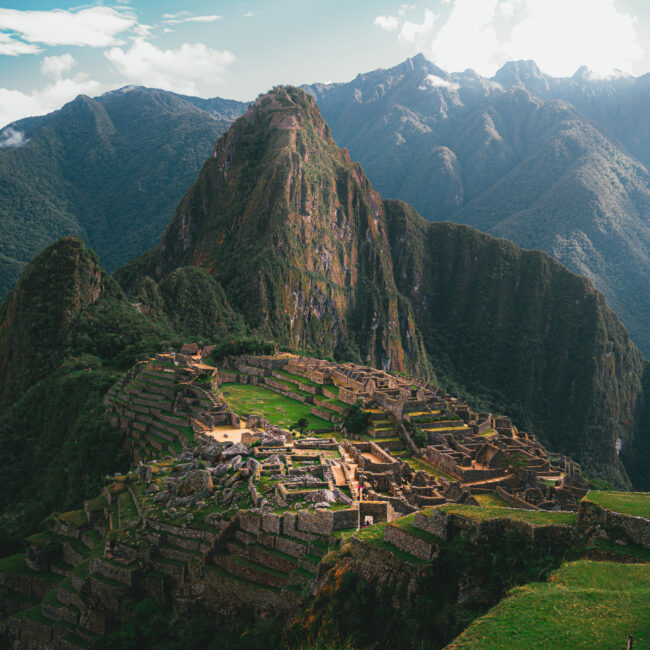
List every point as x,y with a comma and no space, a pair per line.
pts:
636,504
491,500
301,379
584,605
375,535
419,464
277,409
535,517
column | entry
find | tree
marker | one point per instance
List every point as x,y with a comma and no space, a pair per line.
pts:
357,420
302,424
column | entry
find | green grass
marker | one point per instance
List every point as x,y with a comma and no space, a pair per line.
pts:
277,409
375,535
77,518
628,503
127,509
584,604
406,524
418,464
535,517
491,500
299,378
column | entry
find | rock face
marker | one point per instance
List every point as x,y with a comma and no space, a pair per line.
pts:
295,234
310,254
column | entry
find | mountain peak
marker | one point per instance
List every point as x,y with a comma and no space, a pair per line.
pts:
522,74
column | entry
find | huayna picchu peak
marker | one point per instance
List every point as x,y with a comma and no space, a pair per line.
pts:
310,416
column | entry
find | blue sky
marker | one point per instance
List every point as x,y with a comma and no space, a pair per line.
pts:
50,51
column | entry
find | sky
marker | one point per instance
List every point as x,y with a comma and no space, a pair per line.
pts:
51,51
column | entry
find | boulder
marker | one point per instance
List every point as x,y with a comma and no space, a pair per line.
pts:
251,465
236,462
196,480
319,496
342,498
236,450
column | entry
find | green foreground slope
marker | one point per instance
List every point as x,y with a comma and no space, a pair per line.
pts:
584,604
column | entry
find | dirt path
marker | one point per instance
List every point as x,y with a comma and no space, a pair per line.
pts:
227,433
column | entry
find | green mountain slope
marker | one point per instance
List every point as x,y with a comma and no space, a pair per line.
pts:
309,254
109,169
67,333
506,156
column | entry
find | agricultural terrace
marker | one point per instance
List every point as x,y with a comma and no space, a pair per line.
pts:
245,399
636,504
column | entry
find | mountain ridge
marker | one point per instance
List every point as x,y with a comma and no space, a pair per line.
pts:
496,155
109,169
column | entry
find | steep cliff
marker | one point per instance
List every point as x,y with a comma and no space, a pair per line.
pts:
518,329
295,234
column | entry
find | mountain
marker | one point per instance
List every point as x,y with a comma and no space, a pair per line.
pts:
110,170
67,333
312,256
512,157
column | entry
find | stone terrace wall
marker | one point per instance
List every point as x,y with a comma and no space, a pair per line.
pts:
618,526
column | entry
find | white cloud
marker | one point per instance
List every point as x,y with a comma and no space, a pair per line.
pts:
416,32
404,8
438,82
590,32
92,26
11,47
389,23
55,66
12,138
15,104
192,69
186,17
559,36
468,38
248,14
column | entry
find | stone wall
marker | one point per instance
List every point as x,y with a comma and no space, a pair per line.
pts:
617,526
413,545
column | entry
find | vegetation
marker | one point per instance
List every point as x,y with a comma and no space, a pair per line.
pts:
584,604
356,420
234,346
535,517
636,504
277,409
110,170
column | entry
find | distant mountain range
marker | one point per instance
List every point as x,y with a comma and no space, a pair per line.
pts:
555,164
511,156
110,169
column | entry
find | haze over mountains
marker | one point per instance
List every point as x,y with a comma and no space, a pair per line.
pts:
512,157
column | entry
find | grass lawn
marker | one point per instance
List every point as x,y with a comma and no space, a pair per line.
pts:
277,409
628,503
535,517
584,604
418,464
491,500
